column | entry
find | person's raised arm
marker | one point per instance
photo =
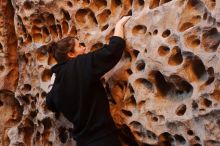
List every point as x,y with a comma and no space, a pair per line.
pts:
107,57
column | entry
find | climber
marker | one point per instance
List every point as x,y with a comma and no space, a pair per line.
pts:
77,91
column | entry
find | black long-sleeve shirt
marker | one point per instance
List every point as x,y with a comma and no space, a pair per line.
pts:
78,92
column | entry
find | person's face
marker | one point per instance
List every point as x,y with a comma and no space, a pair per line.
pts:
78,49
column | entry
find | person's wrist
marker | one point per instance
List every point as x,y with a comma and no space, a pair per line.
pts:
119,25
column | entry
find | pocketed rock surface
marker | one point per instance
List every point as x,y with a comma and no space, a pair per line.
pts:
164,91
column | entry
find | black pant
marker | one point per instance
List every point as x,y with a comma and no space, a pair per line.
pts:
109,140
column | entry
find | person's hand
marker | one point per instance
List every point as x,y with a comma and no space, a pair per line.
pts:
119,27
123,20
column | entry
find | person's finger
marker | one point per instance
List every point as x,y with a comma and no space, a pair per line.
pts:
124,19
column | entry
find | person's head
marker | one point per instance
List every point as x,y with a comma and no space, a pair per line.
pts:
66,49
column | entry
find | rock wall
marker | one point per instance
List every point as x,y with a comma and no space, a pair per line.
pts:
164,91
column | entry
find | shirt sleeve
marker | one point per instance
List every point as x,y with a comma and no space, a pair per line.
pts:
108,56
49,102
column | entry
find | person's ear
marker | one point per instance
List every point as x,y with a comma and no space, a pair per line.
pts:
71,54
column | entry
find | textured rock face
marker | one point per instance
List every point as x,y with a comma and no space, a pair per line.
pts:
164,91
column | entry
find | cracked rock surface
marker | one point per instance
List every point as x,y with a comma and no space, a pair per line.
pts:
165,91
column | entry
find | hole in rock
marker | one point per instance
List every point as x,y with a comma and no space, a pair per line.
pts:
211,78
180,84
129,13
131,100
197,138
190,132
51,60
35,29
180,139
135,52
20,41
157,78
126,112
115,6
141,104
37,37
129,71
45,30
27,87
155,32
104,16
50,19
127,55
86,16
185,26
140,65
176,56
194,105
155,119
151,135
104,27
154,4
38,21
141,2
41,53
136,124
43,94
80,14
197,69
86,1
29,38
100,3
2,68
144,82
116,3
121,84
210,71
65,27
138,4
53,30
59,30
131,88
47,123
46,75
28,5
1,103
197,144
34,113
207,102
139,30
164,1
73,31
181,110
1,47
69,3
210,39
41,2
66,14
166,137
163,50
193,3
205,15
210,4
166,33
196,42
